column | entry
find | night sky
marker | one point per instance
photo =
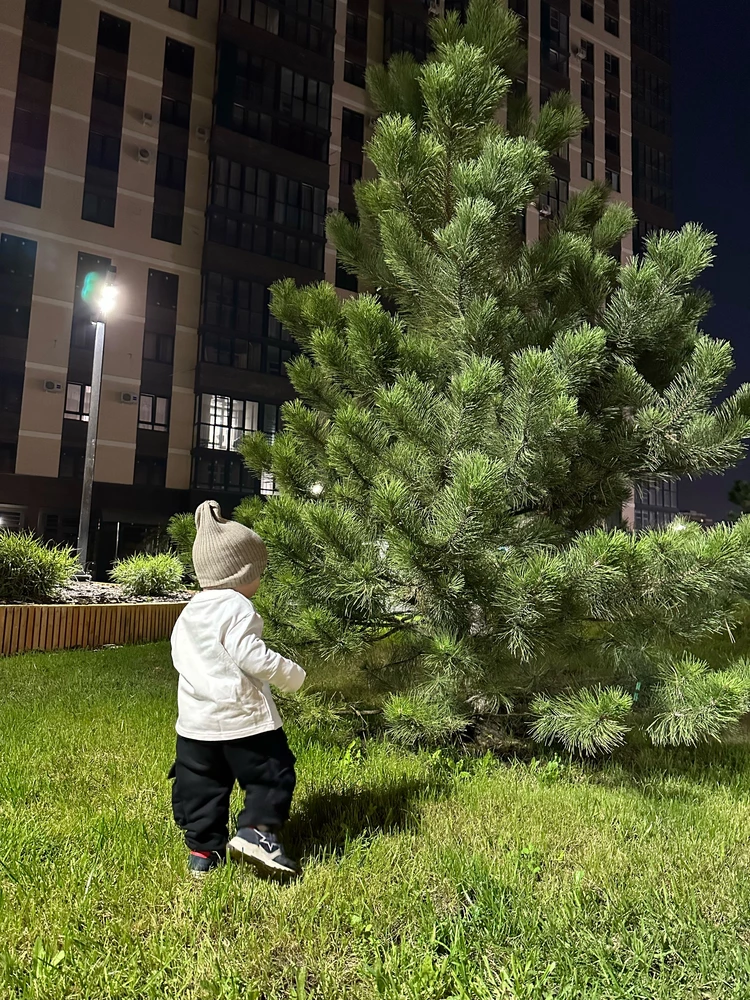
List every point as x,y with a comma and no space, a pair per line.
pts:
711,176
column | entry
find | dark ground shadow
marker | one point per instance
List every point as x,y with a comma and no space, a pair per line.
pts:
325,822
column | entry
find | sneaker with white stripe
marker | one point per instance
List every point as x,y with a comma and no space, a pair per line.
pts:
263,850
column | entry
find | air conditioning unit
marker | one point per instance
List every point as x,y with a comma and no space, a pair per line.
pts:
144,155
147,119
129,397
202,133
50,386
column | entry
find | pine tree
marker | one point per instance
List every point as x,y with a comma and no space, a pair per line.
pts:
466,426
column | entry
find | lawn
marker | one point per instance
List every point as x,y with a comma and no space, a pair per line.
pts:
427,876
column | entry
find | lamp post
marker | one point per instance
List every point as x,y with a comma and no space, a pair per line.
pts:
105,303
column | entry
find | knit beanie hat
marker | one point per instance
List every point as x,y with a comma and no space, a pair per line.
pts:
225,554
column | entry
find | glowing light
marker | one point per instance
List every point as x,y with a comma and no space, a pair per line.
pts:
99,291
316,489
107,298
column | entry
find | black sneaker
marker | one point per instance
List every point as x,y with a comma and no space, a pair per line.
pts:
263,850
200,863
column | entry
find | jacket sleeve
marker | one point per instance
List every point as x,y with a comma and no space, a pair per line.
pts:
256,660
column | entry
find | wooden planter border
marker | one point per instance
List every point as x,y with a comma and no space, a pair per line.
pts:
25,627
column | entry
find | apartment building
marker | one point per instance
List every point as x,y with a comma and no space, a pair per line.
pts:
196,146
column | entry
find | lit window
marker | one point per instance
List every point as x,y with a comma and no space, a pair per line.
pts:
153,412
77,401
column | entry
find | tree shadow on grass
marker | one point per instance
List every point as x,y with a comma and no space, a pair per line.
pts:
679,773
325,822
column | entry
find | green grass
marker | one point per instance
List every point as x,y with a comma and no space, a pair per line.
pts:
427,877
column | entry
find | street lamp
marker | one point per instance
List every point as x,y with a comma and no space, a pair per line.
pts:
105,301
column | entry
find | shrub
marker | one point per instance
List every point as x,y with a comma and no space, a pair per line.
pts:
149,576
31,570
420,720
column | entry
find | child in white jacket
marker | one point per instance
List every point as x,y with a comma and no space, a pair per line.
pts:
228,727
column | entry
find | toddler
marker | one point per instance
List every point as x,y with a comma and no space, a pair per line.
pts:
228,727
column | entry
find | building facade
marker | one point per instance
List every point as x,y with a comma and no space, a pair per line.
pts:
197,146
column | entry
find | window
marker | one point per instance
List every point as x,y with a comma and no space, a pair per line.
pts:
303,98
114,33
158,347
587,51
587,135
161,291
72,461
652,99
77,401
189,7
308,23
556,196
241,306
611,65
587,169
7,458
178,58
239,188
356,26
354,73
406,34
223,471
170,171
587,11
248,205
299,206
110,89
150,471
266,18
350,172
587,89
153,412
28,145
353,126
611,24
273,103
167,227
555,39
651,31
641,232
17,263
43,12
37,63
612,178
652,175
223,421
11,391
344,279
611,100
161,318
98,208
103,151
175,112
612,142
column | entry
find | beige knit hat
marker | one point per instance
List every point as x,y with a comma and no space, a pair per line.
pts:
225,554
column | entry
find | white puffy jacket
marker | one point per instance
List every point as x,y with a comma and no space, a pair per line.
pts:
225,669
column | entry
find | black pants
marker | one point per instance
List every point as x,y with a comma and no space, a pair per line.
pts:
204,774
